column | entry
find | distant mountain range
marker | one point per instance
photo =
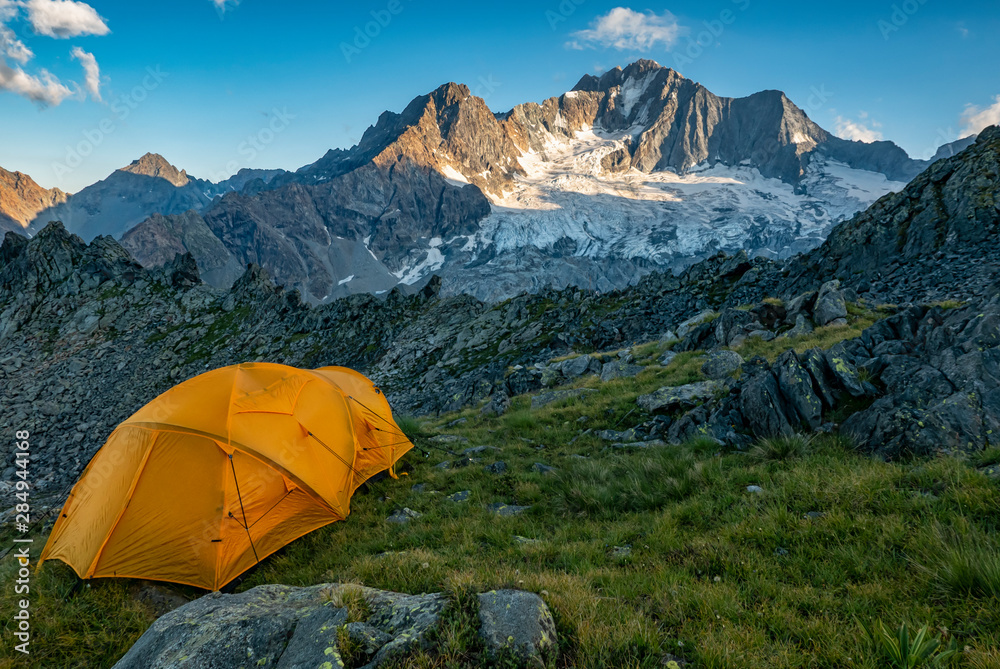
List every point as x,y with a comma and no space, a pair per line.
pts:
635,170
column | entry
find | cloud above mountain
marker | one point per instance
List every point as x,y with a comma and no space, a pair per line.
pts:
857,131
628,30
58,19
63,19
975,119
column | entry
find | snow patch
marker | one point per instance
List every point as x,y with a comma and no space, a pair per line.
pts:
453,176
347,280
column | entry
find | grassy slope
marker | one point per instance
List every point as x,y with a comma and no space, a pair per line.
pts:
715,575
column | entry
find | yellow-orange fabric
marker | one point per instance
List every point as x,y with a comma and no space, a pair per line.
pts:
224,469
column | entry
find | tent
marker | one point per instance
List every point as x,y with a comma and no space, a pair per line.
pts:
224,469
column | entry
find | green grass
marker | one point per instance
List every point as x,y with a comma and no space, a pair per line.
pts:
858,320
638,554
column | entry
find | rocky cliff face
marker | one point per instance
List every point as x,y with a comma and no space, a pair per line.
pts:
21,199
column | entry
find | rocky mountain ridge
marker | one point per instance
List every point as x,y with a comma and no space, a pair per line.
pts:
636,170
21,199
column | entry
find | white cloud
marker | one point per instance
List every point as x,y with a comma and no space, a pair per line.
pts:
628,30
222,5
65,18
52,18
92,70
976,119
856,130
45,89
10,45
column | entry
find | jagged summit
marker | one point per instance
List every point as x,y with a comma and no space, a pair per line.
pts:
155,165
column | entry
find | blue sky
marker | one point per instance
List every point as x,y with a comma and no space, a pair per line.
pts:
280,73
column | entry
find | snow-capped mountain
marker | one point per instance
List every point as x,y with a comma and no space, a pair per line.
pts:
634,170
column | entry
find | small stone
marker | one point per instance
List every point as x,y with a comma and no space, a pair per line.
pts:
755,489
507,510
403,516
551,396
621,552
476,450
443,465
780,552
448,439
497,468
460,496
764,335
638,445
539,468
667,358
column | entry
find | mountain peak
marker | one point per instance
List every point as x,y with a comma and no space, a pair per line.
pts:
155,165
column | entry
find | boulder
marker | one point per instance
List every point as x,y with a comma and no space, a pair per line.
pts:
498,405
517,623
802,327
670,398
733,325
283,627
796,386
578,366
763,409
802,305
550,396
721,365
688,326
617,369
830,303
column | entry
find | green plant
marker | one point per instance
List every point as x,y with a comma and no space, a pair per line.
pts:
781,448
904,652
969,570
989,457
410,426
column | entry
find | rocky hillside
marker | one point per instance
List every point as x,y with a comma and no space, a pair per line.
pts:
637,170
71,311
936,239
21,199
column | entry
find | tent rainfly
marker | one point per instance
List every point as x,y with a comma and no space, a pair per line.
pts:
224,469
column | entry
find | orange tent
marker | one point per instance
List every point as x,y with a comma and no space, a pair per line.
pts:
224,469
